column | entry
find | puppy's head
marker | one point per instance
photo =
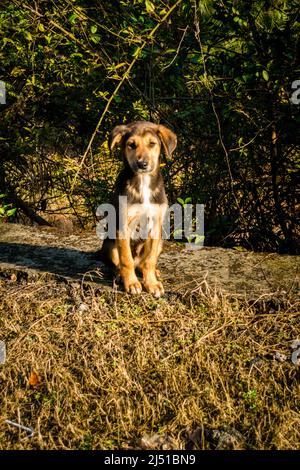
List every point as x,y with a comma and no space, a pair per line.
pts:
141,144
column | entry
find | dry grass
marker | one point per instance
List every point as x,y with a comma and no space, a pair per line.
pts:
112,368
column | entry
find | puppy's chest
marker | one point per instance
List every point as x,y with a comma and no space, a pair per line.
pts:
143,214
141,198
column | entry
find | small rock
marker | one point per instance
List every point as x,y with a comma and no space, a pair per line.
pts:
295,344
158,442
221,439
83,308
296,357
279,356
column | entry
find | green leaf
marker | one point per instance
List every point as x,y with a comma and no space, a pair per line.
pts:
17,71
11,212
28,35
117,98
95,38
94,29
73,18
246,77
265,75
195,238
149,6
239,248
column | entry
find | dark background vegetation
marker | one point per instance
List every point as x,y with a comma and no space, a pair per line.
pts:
219,73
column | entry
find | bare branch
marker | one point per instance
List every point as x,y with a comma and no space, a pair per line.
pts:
177,50
253,138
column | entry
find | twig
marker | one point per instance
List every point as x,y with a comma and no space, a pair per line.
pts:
252,140
177,50
30,431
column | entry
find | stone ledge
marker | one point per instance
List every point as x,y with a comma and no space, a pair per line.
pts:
48,252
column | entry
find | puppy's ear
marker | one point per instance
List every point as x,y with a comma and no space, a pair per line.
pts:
168,138
116,136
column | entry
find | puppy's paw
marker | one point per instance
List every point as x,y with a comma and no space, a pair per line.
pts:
134,287
155,288
130,281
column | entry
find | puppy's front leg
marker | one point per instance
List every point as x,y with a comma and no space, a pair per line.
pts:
152,248
126,266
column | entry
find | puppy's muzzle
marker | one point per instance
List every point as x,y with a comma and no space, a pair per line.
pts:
142,165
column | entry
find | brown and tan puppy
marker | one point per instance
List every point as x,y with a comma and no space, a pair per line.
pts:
141,183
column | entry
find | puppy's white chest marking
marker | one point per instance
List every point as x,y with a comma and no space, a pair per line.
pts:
145,191
142,216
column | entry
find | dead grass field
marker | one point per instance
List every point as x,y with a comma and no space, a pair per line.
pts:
88,369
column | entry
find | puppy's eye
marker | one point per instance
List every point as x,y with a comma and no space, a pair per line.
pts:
132,145
152,144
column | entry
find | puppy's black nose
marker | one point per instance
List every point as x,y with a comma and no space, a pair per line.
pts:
142,165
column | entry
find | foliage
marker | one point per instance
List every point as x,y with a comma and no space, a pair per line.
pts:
6,210
218,73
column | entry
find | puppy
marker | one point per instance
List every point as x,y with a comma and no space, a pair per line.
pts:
140,212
